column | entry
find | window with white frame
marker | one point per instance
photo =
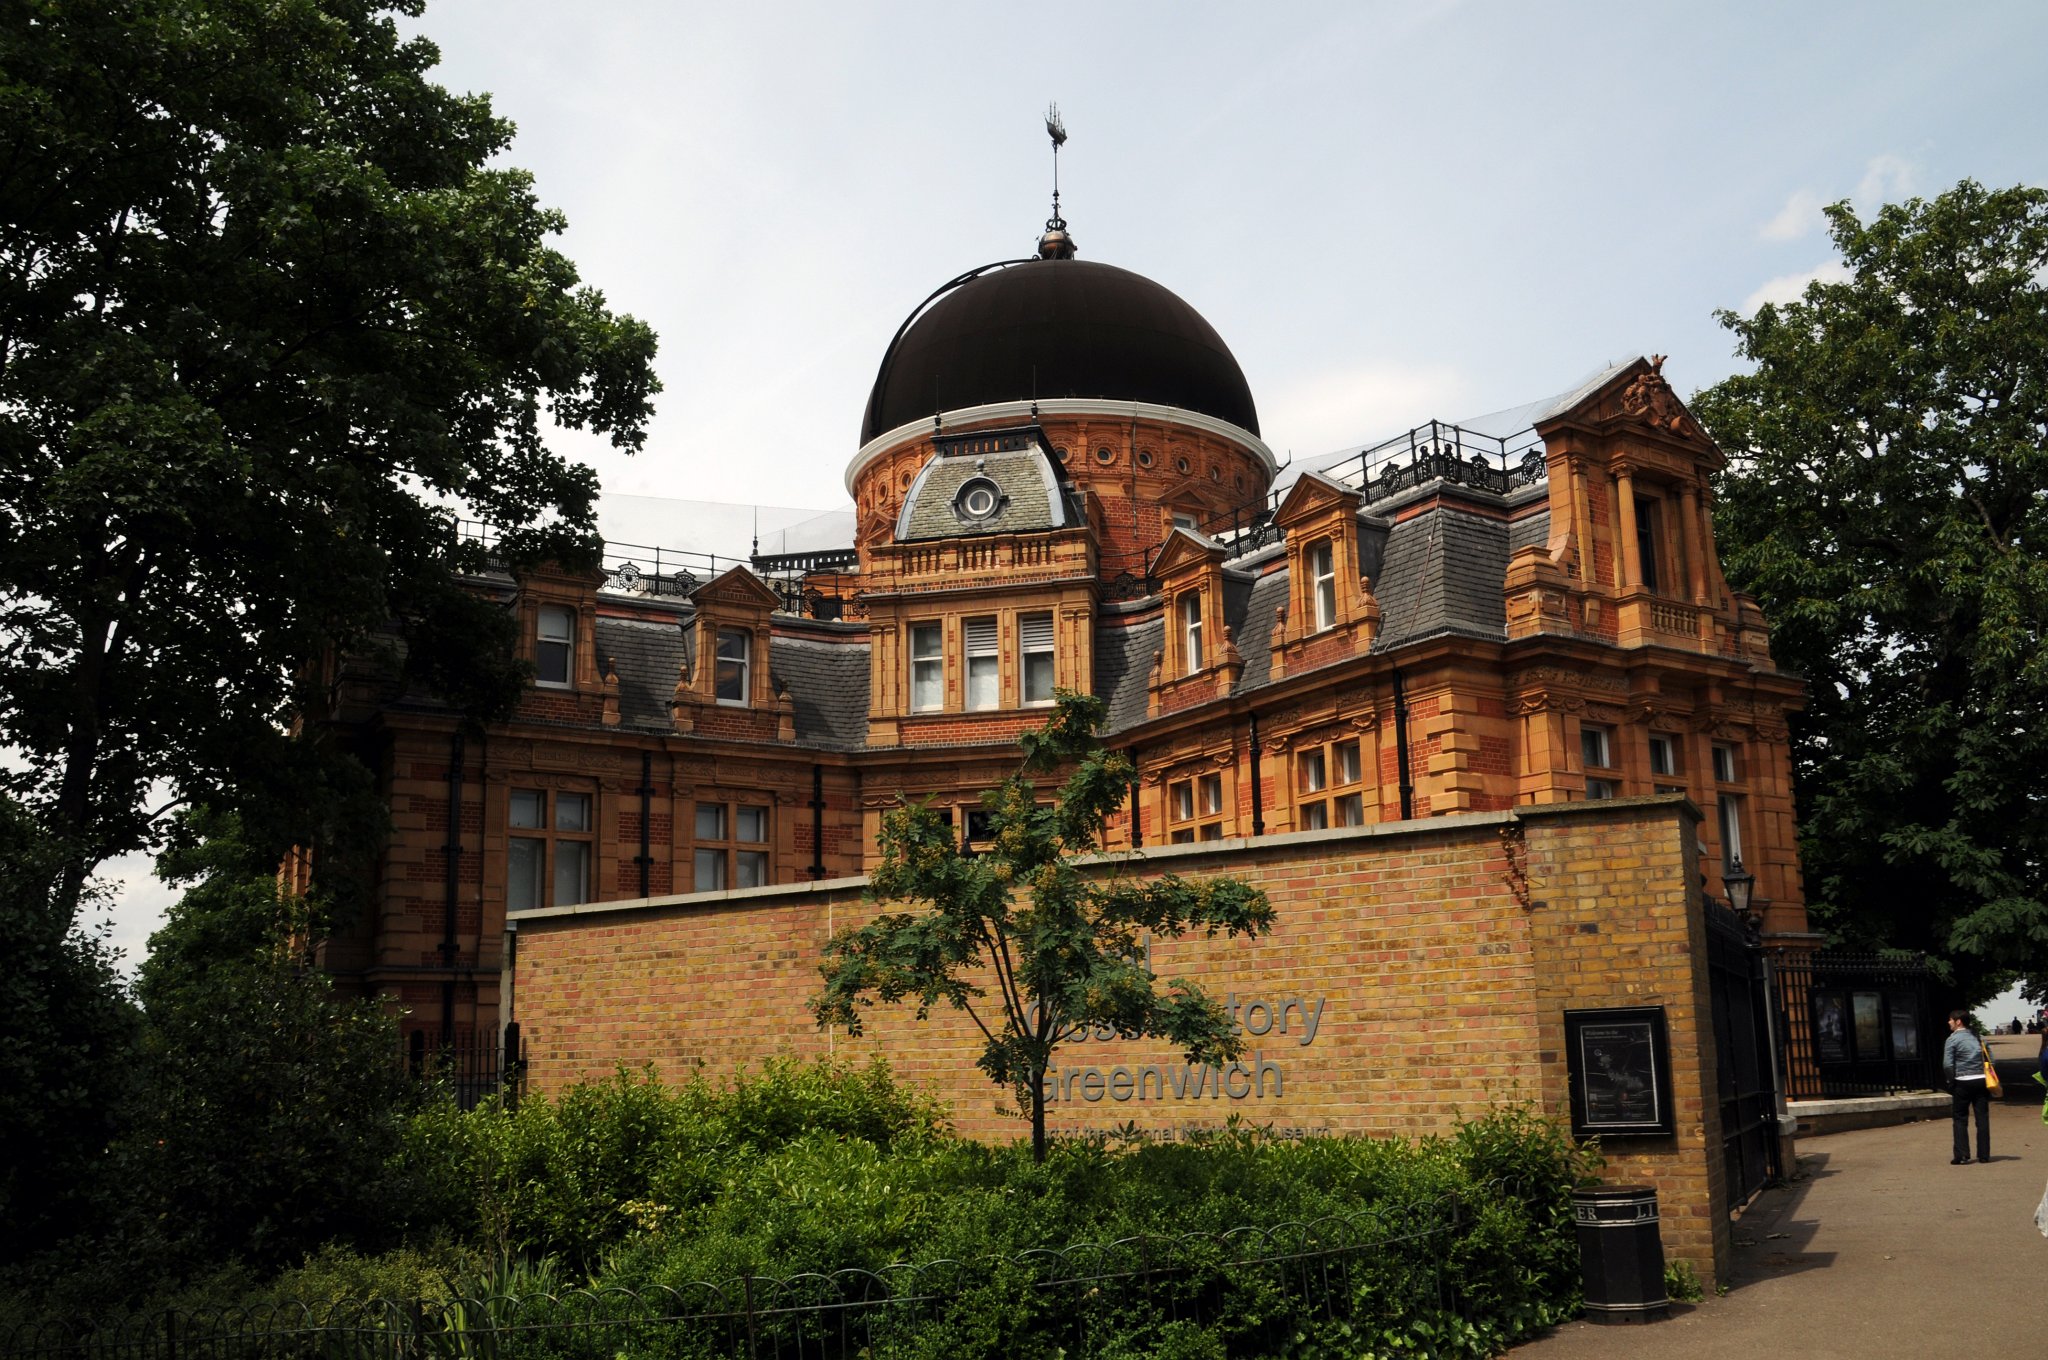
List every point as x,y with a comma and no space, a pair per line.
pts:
984,664
733,661
1194,809
1035,643
554,647
927,668
1725,768
1322,571
1596,747
1328,781
1191,632
548,856
1663,754
731,846
1729,807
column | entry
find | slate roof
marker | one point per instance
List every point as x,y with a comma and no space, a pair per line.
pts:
1123,666
1024,478
649,657
1442,574
828,685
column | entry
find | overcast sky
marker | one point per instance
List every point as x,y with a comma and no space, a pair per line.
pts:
1389,211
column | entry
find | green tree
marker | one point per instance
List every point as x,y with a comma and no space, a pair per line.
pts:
1887,503
275,1109
1031,945
269,317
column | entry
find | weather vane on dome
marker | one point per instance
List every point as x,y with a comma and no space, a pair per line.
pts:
1055,244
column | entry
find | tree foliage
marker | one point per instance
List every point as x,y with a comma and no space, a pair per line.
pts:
269,313
1032,946
276,1108
1887,503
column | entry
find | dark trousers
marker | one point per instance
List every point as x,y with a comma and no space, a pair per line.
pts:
1963,1097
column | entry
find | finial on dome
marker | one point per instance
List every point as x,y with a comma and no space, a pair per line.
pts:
1055,244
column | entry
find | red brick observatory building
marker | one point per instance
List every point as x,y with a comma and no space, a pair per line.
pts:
1445,640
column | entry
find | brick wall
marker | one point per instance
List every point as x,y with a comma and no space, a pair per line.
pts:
1417,973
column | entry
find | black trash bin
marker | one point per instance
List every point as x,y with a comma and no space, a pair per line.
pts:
1621,1252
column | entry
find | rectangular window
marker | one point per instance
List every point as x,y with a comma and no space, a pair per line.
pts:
1194,809
1598,789
1034,638
733,662
1646,540
984,665
1212,831
1322,568
1183,801
1348,770
1730,808
551,867
1315,816
554,647
927,668
1351,810
981,826
1724,764
1191,632
1663,755
737,860
1211,786
1311,771
1596,745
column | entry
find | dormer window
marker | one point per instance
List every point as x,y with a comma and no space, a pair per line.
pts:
554,647
1322,570
927,668
1191,632
977,499
730,679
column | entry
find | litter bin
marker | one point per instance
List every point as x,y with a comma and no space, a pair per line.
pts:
1621,1252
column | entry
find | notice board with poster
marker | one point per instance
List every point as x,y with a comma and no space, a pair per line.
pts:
1619,1060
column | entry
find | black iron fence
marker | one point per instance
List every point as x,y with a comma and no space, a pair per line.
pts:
1856,1024
1264,1290
475,1067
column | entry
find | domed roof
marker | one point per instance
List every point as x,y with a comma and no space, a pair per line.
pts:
1053,328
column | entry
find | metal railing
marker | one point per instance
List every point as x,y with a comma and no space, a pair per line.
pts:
1856,1024
474,1067
1259,1285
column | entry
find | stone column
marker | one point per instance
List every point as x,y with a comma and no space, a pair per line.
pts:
1695,543
1629,574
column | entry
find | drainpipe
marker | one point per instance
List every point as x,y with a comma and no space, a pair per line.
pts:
817,821
1137,821
645,860
1258,791
451,853
1401,748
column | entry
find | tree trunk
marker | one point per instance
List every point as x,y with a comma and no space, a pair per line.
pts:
1038,1115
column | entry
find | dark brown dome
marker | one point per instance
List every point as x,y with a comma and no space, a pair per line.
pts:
1058,328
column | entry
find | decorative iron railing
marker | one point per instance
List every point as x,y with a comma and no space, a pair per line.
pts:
1856,1024
1262,1285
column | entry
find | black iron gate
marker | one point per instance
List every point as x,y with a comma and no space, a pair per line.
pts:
1857,1024
1742,1045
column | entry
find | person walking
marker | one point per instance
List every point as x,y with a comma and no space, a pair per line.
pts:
1962,1062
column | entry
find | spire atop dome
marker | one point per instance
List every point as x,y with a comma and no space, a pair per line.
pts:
1056,244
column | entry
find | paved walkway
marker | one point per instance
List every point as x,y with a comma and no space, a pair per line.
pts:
1878,1250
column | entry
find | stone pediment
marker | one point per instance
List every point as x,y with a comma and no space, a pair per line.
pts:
1640,396
1311,494
1184,548
735,589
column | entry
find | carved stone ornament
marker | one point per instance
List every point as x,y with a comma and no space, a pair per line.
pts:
1649,398
1548,701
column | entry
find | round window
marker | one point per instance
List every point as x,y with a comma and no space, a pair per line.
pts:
1059,451
1181,464
1215,474
1105,454
977,499
1144,458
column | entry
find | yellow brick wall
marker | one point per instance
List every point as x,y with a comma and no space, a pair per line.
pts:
1417,973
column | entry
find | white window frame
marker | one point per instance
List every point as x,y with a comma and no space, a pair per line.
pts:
554,635
927,667
1663,755
552,850
1596,746
1322,566
1728,812
1037,664
981,642
1725,768
1191,632
742,662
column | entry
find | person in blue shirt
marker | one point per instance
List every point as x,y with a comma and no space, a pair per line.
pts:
1962,1062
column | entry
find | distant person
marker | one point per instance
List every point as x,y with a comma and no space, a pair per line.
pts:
1962,1062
